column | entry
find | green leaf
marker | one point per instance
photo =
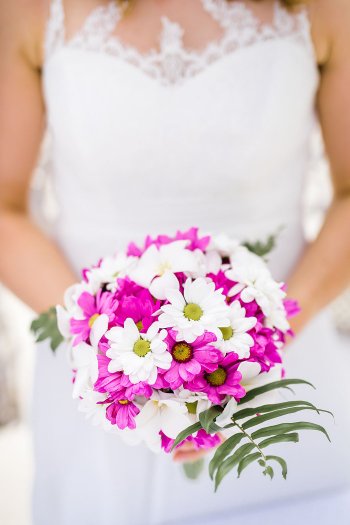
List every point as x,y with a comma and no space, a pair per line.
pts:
262,248
245,462
247,412
284,428
229,463
257,420
194,469
207,417
269,472
283,383
186,433
223,451
45,327
56,340
282,462
282,438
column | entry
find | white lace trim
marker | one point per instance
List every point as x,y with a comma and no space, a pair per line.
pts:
173,63
55,29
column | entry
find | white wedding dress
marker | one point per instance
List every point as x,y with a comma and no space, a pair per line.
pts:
218,138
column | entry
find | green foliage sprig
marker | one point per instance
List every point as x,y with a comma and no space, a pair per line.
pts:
263,248
245,447
45,327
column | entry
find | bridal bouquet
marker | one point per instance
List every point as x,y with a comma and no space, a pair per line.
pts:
181,339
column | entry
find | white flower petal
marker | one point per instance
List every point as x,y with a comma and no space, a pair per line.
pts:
99,329
176,299
82,355
249,370
225,417
114,334
147,413
63,322
80,384
160,286
173,422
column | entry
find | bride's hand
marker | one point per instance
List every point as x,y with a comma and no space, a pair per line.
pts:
188,453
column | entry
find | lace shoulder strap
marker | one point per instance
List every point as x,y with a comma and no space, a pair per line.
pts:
296,24
96,29
234,15
55,28
223,11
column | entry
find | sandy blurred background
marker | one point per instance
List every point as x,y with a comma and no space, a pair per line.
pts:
17,348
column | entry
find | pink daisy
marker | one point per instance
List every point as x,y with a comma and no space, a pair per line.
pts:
140,309
127,287
201,440
222,382
122,412
190,359
117,383
97,312
195,242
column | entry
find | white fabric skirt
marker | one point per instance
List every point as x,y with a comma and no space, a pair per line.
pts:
87,477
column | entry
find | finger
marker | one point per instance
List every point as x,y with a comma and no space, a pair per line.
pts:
188,456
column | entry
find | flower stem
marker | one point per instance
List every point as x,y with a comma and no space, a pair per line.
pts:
249,437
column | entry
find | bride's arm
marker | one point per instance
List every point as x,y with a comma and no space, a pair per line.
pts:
30,264
324,270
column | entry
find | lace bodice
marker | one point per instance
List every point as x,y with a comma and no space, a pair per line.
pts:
176,137
172,63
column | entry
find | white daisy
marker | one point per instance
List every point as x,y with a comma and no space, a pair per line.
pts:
225,417
156,267
200,308
138,355
278,318
196,402
208,262
109,270
71,308
162,412
253,378
91,404
235,337
63,322
84,362
256,283
223,244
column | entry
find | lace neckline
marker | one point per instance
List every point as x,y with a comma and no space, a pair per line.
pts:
172,63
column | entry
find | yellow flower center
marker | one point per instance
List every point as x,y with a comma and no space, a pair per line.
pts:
142,347
193,312
93,319
123,402
218,377
227,332
192,407
182,352
163,267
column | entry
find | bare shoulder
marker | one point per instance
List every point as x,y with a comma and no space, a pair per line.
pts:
22,27
331,28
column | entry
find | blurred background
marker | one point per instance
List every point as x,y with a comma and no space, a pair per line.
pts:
17,349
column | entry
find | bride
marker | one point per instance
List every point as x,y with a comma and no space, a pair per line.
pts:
165,114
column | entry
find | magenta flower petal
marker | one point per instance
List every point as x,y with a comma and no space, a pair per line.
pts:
122,413
189,360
